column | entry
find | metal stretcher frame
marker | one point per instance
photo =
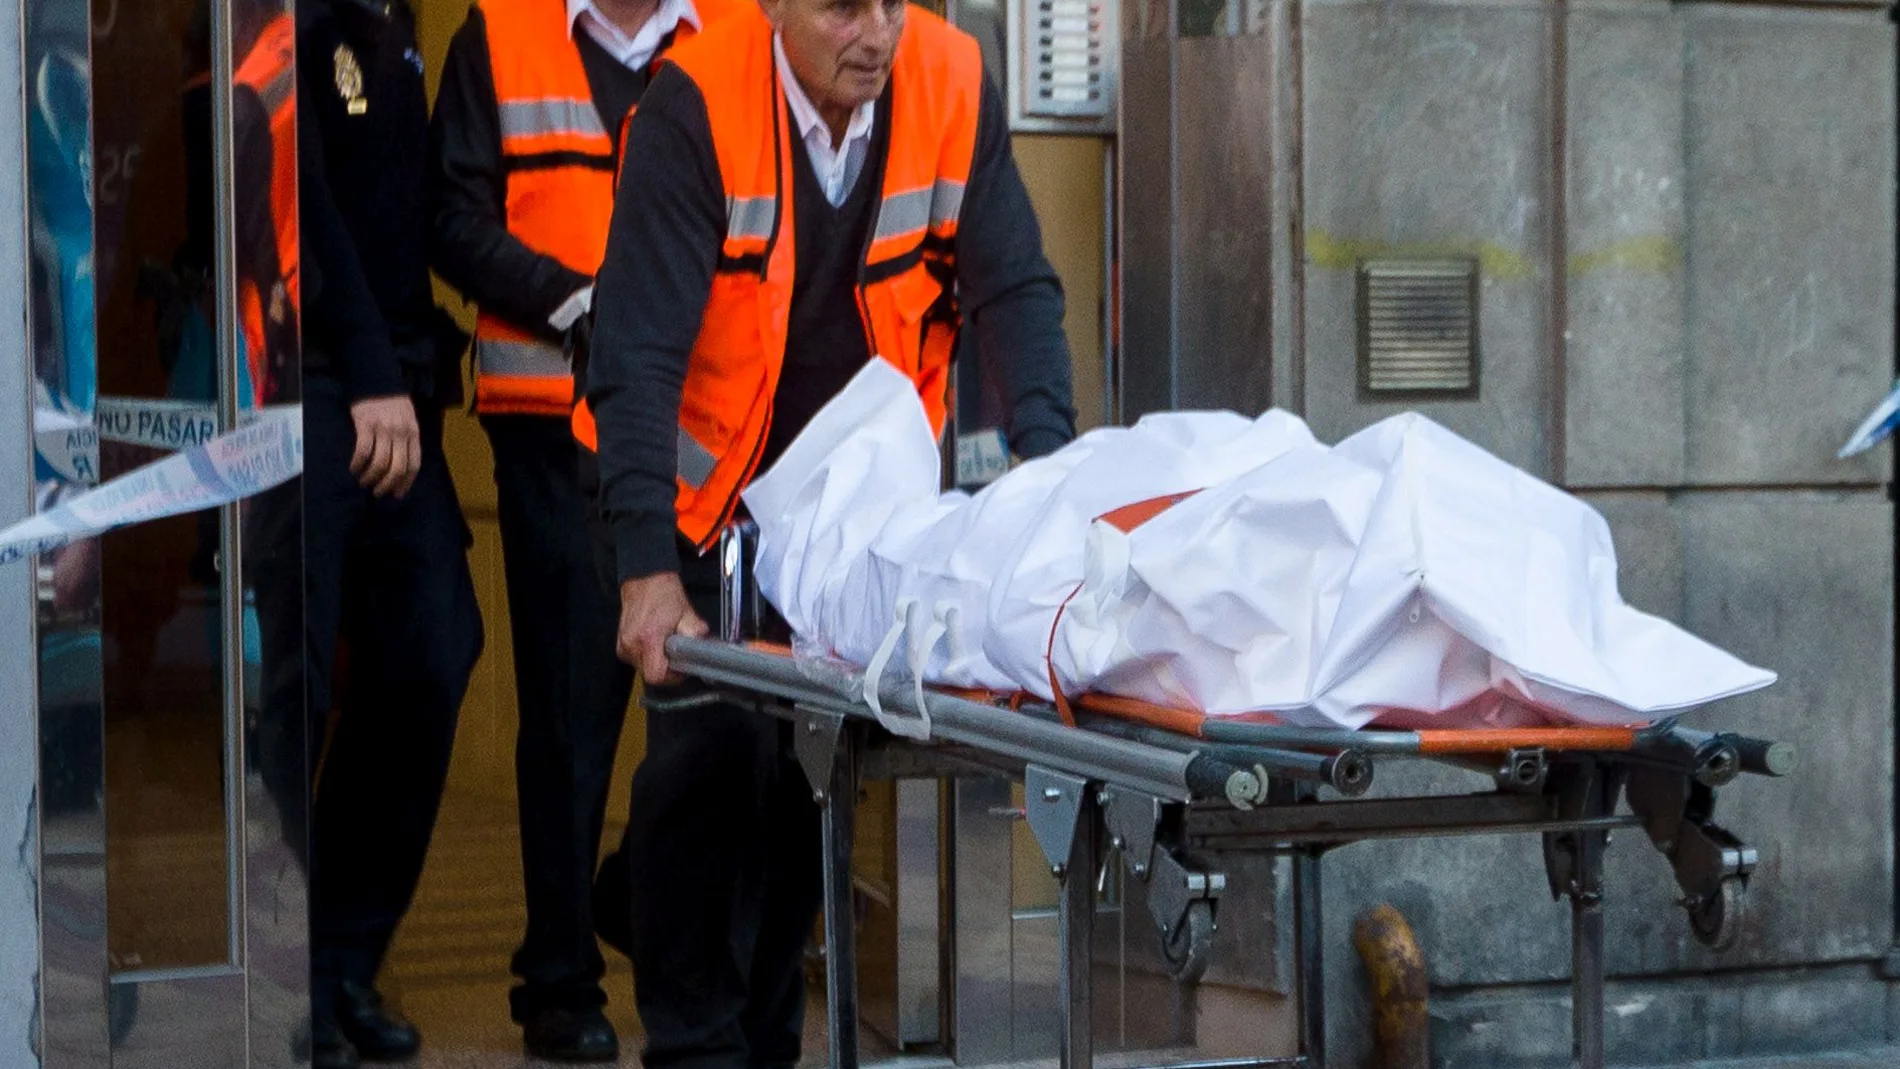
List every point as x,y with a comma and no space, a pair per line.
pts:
1161,786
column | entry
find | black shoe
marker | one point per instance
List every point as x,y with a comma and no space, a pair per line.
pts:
613,904
558,1035
328,1048
378,1034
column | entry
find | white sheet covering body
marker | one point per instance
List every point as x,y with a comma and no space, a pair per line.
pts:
1403,576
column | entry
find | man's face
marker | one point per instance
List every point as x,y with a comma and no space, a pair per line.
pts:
840,50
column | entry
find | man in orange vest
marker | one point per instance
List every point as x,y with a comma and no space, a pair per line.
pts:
265,152
269,295
839,189
525,148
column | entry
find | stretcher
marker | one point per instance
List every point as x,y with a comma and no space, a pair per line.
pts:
1109,779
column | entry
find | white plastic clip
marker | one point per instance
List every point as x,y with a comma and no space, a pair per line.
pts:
951,616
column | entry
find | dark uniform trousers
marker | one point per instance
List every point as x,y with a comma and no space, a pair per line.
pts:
572,693
389,577
721,860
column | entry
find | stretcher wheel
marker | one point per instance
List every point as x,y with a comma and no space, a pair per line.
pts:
1717,918
1187,947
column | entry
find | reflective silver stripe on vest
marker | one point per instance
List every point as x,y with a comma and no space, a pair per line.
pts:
495,356
946,202
551,115
750,217
903,213
911,211
696,461
278,91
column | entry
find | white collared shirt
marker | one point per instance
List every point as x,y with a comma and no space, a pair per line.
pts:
636,50
837,168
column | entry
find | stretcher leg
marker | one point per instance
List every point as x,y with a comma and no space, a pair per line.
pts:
1078,940
1574,862
1309,937
828,751
1064,813
1586,953
1309,930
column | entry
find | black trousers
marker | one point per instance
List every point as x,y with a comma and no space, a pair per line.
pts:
722,860
390,579
572,693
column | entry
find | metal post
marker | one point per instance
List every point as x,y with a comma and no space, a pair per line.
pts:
1309,949
982,1029
841,951
1586,953
230,556
1890,966
1077,937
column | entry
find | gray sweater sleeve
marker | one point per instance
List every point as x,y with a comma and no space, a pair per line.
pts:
1011,297
669,219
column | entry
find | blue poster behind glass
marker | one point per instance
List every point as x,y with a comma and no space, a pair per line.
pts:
60,162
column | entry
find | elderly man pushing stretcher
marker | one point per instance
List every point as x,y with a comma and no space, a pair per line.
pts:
839,189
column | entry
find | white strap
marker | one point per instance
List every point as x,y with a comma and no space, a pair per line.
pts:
920,650
874,672
916,728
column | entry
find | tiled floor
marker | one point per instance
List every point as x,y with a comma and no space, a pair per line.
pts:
449,968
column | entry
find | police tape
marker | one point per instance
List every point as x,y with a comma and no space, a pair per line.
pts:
160,424
264,453
68,442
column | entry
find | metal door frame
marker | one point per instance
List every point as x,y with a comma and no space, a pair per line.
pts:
253,1008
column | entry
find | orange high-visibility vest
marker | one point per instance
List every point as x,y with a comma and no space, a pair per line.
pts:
560,187
909,314
270,72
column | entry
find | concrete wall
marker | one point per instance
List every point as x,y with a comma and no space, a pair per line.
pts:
19,742
1684,220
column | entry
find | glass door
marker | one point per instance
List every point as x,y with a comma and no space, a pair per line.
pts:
164,312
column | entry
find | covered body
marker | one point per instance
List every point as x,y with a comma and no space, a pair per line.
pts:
1403,576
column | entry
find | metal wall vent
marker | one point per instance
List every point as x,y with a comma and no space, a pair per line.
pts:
1418,328
1066,69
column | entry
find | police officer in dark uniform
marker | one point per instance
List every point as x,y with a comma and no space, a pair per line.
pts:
385,547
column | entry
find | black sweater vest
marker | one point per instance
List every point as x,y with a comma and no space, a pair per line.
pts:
825,344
